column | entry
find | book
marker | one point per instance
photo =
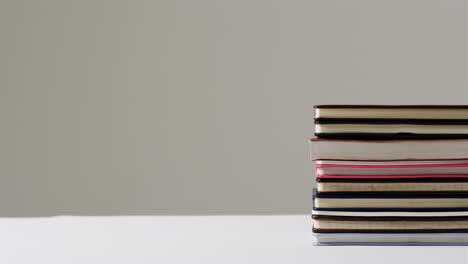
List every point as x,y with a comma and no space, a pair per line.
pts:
455,112
391,239
374,122
388,149
393,225
385,169
399,213
392,187
390,201
391,162
391,129
391,218
378,177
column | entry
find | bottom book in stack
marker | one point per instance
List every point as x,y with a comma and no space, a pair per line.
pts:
391,239
378,204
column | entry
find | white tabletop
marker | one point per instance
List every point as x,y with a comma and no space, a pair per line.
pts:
191,239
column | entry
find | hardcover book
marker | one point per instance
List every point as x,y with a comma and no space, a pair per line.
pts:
338,149
391,239
377,200
391,122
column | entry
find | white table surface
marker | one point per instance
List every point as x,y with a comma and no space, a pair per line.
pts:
191,239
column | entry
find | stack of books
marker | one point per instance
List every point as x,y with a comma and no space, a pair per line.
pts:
390,175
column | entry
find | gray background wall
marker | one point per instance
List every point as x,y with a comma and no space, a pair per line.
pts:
201,107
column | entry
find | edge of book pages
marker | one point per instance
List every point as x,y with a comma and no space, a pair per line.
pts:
390,239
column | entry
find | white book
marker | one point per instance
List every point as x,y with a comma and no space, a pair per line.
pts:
402,239
337,225
392,162
390,128
371,202
392,111
388,149
388,213
391,170
396,187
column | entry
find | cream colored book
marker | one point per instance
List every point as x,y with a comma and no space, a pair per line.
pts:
378,214
391,203
391,170
390,129
392,111
384,163
355,225
337,149
403,239
379,200
326,187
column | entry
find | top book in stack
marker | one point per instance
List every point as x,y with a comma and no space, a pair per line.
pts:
375,122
